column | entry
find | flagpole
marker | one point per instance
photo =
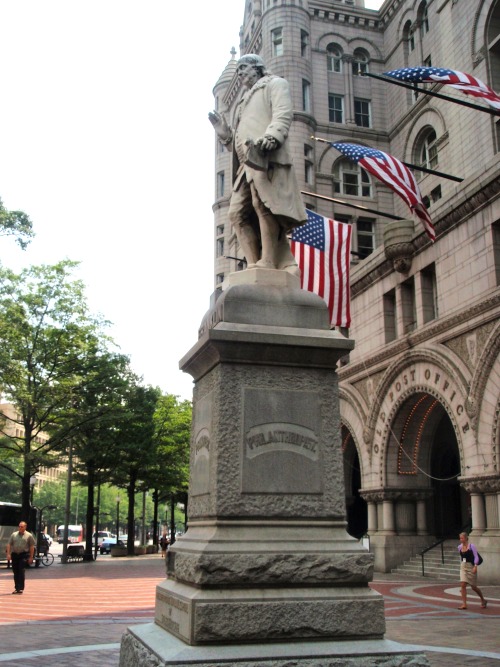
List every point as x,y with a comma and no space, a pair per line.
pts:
396,82
357,206
433,171
410,166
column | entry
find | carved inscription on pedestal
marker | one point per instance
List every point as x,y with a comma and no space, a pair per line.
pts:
200,469
172,614
281,445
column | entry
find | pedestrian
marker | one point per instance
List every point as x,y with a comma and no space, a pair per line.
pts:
469,560
164,545
20,551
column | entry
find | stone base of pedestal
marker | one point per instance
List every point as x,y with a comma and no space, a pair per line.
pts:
150,646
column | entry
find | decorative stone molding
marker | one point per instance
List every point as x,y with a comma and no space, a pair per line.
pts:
414,339
398,245
486,484
383,495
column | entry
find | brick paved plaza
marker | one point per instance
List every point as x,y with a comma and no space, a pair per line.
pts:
76,614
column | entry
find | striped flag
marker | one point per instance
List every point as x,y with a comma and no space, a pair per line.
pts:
322,248
393,173
460,80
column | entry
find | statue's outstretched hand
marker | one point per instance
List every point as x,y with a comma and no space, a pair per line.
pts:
221,127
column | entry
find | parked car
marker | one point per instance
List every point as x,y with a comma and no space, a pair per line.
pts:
109,542
101,536
124,538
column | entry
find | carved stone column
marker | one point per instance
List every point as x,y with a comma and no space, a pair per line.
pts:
421,517
373,498
491,490
389,525
485,503
372,518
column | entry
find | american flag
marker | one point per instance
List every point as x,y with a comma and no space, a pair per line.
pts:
322,248
460,80
394,174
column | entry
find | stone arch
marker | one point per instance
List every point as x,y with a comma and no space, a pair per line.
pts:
331,37
419,373
356,507
485,365
479,28
407,16
327,159
483,403
428,116
411,358
367,45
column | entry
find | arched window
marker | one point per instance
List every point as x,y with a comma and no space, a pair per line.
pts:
426,149
360,62
409,36
423,15
334,58
494,47
351,179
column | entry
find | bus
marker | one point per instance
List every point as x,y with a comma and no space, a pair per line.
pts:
10,516
75,534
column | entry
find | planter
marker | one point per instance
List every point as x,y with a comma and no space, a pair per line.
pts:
139,551
118,551
151,549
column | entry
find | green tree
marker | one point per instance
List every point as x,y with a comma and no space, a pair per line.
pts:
135,448
10,491
102,406
16,223
168,470
47,341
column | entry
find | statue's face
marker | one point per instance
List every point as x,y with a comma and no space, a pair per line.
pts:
248,74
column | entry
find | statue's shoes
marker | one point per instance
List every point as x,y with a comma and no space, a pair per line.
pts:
264,264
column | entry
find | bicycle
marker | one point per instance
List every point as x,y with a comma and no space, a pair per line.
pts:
44,557
47,559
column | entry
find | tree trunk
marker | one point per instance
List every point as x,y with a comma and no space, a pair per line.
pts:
131,517
89,519
155,518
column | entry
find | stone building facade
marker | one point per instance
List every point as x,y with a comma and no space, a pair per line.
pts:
420,392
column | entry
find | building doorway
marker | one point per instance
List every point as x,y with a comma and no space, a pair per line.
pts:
356,507
449,512
423,455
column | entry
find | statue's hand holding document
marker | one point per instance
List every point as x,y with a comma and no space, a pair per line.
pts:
254,157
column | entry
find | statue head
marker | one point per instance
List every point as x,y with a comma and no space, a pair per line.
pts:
252,60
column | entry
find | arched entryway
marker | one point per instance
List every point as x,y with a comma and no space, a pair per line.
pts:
423,461
449,513
357,516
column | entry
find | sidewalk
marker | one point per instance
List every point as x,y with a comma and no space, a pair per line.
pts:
77,613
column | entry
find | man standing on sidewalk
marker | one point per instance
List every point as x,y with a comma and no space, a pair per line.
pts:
20,550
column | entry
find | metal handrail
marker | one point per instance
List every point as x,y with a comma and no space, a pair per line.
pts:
433,546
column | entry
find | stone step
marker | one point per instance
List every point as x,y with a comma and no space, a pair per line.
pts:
433,564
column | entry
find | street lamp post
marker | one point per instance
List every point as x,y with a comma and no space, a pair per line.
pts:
117,518
32,486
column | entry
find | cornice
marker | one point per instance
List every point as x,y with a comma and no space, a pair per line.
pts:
410,341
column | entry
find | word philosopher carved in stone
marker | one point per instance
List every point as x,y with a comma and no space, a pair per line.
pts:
265,202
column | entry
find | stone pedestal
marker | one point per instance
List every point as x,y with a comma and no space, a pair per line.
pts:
266,558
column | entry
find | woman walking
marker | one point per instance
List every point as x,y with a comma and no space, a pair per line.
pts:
469,560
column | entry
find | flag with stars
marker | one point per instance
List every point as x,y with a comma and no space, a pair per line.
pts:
460,80
322,248
393,173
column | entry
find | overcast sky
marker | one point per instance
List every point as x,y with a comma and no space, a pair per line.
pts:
105,144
